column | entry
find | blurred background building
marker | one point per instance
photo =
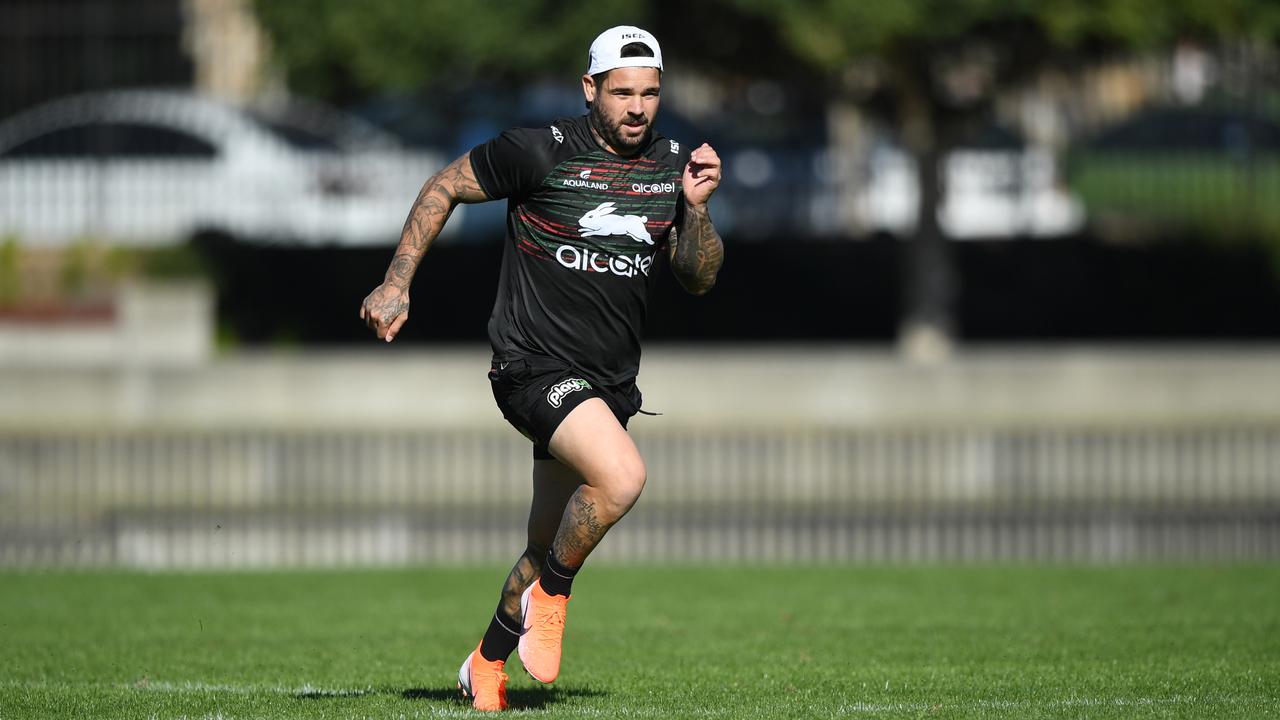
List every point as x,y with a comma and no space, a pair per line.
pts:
1001,282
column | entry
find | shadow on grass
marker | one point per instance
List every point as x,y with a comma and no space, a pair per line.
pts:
519,698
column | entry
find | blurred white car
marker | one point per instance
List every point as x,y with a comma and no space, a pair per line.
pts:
1001,192
151,167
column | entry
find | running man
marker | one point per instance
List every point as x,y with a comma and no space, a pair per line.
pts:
591,202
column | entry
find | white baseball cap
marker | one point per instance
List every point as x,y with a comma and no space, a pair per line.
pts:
606,51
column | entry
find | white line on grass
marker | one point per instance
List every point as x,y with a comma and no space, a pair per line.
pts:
615,711
884,708
189,686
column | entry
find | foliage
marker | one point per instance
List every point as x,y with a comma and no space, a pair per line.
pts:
79,261
336,48
88,270
831,33
171,262
333,48
1212,193
10,273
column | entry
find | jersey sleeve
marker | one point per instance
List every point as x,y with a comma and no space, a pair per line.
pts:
678,158
513,163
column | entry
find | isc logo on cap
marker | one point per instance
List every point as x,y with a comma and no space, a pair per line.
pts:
606,50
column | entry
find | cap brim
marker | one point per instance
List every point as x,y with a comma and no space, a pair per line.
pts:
641,61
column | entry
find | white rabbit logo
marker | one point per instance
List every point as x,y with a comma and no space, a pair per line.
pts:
602,221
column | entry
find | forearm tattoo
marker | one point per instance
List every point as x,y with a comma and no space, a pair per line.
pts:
435,202
696,251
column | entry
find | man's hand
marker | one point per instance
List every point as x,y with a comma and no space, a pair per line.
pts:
701,175
385,310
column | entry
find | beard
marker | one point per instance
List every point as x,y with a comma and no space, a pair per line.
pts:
611,132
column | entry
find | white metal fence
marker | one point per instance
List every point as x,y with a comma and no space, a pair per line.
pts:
170,498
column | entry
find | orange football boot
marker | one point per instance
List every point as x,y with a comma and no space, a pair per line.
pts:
542,617
483,682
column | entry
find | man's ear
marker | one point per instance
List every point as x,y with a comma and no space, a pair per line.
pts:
589,88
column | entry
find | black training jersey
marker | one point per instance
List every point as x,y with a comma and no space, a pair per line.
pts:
584,227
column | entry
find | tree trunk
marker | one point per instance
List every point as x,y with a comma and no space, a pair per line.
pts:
927,328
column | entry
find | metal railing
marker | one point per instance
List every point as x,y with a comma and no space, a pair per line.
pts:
182,499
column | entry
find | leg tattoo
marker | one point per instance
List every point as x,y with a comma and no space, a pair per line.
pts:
580,530
526,570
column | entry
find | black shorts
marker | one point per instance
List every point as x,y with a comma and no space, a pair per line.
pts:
537,393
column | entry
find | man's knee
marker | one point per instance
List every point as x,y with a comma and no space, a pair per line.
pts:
622,487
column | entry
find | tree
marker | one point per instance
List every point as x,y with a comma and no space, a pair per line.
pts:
936,65
930,68
343,50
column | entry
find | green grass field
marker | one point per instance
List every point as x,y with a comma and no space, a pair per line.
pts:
1195,642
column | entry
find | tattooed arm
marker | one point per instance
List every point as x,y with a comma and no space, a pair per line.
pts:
696,251
386,309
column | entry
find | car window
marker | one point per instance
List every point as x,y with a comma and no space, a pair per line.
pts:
296,135
120,140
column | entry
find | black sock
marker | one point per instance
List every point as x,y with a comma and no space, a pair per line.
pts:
556,578
501,638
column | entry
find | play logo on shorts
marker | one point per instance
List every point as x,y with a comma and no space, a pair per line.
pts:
564,387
